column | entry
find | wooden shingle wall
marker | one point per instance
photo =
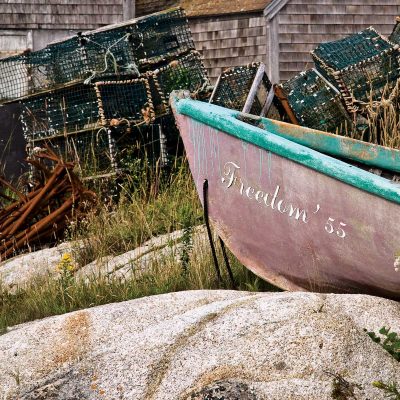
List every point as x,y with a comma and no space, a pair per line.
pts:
229,40
303,24
59,14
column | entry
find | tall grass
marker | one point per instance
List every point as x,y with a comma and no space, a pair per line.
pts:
46,296
380,121
151,203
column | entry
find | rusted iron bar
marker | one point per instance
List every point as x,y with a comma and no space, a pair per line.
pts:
281,96
40,216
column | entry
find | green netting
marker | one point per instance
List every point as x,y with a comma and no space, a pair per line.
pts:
60,112
363,66
395,36
351,50
111,52
316,104
68,62
114,52
129,99
185,72
24,74
162,36
234,86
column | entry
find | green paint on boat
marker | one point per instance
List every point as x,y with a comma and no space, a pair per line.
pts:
339,146
226,120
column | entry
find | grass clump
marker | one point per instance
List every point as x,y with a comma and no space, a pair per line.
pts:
46,296
151,203
390,389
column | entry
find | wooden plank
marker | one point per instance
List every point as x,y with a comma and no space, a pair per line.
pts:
272,34
254,88
231,34
339,29
343,9
244,51
229,43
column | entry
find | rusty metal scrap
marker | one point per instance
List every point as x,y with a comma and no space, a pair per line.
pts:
41,216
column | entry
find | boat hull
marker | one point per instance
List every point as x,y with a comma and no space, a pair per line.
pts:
290,224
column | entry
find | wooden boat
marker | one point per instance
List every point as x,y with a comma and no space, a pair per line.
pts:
296,217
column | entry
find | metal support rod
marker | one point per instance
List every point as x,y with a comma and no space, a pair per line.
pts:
227,264
207,222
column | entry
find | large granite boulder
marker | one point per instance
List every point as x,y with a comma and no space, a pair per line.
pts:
22,269
205,345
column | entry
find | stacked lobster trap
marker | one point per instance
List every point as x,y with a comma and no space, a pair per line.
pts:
353,79
85,95
234,85
316,103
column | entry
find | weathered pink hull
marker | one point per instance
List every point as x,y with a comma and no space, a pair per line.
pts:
294,226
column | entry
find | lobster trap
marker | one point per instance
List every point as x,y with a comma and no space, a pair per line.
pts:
111,51
185,72
128,100
395,35
160,37
119,51
244,88
316,103
24,74
81,107
364,67
60,112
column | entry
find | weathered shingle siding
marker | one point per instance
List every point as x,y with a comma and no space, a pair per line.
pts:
229,41
59,14
303,24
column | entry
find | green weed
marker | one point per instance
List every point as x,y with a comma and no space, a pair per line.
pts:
390,389
391,342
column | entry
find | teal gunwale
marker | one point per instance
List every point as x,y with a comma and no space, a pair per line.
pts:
335,145
226,120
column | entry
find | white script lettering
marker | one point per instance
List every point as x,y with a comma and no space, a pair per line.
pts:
232,179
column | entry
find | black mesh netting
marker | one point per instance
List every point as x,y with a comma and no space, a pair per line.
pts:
186,72
162,36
